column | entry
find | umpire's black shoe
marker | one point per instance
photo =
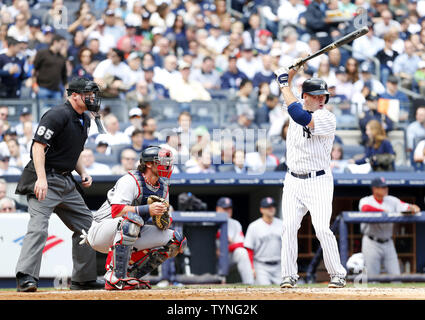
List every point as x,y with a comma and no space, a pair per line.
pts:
26,283
88,285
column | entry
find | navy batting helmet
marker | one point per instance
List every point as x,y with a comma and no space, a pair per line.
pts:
163,158
315,86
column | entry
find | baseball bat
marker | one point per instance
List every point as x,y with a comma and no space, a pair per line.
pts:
336,44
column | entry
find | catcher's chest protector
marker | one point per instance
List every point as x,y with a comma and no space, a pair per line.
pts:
145,190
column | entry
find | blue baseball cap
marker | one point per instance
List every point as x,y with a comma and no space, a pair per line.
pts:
379,182
267,202
224,202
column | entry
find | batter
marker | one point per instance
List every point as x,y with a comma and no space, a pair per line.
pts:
308,183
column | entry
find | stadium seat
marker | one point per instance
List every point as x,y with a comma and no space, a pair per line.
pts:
350,151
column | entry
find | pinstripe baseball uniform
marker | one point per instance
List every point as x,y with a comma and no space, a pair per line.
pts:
377,243
309,153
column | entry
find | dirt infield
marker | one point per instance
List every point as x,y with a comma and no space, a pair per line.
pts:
217,293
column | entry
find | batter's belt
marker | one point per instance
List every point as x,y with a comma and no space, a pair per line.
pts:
308,175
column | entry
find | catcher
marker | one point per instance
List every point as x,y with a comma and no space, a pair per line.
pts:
119,228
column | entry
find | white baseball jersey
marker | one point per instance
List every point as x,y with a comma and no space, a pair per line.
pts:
309,150
264,239
306,154
388,204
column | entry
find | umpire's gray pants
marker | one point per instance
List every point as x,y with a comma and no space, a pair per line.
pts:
63,199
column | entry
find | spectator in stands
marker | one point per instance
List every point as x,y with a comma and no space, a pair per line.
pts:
112,25
8,134
20,29
113,136
367,71
128,161
113,73
262,159
135,118
265,74
378,248
372,113
150,135
386,56
243,99
85,66
7,205
291,46
338,164
324,71
3,188
392,92
164,50
265,42
168,73
178,31
203,163
387,22
4,113
94,46
184,120
317,23
419,77
50,76
248,63
137,140
379,151
12,71
415,131
92,167
134,61
131,22
262,113
406,64
24,116
216,40
18,158
187,89
179,151
78,42
289,12
367,46
206,75
155,90
232,77
5,169
25,139
419,152
352,70
343,85
340,106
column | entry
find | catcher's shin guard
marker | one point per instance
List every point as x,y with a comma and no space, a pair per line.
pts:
145,261
119,255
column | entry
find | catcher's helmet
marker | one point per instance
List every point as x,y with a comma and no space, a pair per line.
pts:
315,86
83,85
163,158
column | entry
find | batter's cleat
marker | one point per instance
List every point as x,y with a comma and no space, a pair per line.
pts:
87,285
26,283
288,282
123,284
337,282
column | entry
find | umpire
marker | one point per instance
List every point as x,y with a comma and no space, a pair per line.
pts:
50,187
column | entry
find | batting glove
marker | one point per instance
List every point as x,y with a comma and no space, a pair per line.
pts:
84,237
282,76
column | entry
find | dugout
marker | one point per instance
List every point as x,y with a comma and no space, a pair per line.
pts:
247,191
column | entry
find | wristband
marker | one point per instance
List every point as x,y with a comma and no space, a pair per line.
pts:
143,211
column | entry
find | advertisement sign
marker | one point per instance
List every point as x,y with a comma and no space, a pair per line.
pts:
57,253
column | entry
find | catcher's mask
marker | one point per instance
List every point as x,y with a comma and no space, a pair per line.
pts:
315,87
83,85
162,158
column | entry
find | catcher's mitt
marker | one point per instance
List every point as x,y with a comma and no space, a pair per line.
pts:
161,221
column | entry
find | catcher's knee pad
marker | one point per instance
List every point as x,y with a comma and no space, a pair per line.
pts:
146,261
127,234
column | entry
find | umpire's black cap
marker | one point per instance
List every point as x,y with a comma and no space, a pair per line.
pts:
379,182
80,85
267,202
224,202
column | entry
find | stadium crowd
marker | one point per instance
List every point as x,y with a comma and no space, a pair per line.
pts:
145,52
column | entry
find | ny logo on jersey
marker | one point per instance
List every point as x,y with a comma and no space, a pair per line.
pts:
306,131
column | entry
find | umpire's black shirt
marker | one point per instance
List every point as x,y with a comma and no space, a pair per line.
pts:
64,131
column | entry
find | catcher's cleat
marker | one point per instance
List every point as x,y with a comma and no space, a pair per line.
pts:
337,282
144,285
288,282
122,284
